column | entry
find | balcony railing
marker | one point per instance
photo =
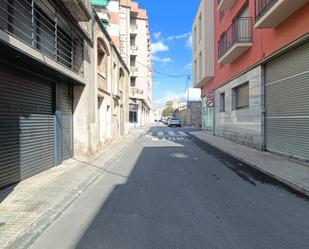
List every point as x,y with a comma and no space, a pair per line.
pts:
225,4
262,7
135,90
134,69
270,13
239,32
134,28
38,24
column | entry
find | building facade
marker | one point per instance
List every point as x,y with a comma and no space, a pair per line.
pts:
255,80
64,85
128,28
190,113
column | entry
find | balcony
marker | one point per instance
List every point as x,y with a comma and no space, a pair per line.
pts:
225,4
46,31
102,83
134,70
79,9
136,93
134,49
235,40
133,28
270,13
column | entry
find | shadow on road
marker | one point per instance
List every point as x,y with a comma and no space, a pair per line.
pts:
174,200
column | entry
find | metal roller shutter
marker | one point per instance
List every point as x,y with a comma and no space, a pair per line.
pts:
287,104
27,133
67,122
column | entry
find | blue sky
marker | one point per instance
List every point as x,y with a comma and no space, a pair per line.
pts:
170,28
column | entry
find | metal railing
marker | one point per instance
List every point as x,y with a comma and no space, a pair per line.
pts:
133,26
39,24
239,32
136,90
262,7
134,69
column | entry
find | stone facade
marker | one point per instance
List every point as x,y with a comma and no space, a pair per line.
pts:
244,126
190,113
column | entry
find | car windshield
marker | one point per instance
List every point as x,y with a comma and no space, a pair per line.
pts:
175,119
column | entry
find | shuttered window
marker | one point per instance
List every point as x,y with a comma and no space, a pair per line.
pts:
241,95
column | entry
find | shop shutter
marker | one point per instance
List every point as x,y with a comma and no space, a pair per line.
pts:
27,133
287,104
67,122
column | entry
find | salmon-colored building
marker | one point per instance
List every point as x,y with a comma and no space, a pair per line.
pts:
251,60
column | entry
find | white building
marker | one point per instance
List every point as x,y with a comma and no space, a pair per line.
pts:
128,28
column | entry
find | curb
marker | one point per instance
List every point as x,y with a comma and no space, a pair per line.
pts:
260,168
27,237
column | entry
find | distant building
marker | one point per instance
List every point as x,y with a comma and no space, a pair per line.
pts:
127,25
190,113
175,103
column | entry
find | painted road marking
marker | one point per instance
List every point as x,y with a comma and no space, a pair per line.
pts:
160,133
182,133
171,133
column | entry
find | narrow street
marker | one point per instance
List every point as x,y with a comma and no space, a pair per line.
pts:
170,190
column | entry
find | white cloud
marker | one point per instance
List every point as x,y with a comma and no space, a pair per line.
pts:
189,41
194,94
158,47
161,59
181,36
157,35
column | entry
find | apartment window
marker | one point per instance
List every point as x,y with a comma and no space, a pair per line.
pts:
241,96
133,22
132,40
222,102
200,28
200,62
133,82
133,60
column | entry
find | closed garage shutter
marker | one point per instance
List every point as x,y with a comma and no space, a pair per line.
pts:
67,122
27,133
287,104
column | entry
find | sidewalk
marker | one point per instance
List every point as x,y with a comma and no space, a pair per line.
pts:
290,172
29,207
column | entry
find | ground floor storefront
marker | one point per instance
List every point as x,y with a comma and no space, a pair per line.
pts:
139,113
267,107
36,128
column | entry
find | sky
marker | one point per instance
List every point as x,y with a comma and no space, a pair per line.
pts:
170,24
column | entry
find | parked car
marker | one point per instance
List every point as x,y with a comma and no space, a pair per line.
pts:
174,121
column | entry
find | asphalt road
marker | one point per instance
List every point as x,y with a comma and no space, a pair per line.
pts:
171,191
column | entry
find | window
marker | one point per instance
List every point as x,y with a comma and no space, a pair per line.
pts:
194,38
133,82
132,40
241,96
115,78
200,28
222,102
133,60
